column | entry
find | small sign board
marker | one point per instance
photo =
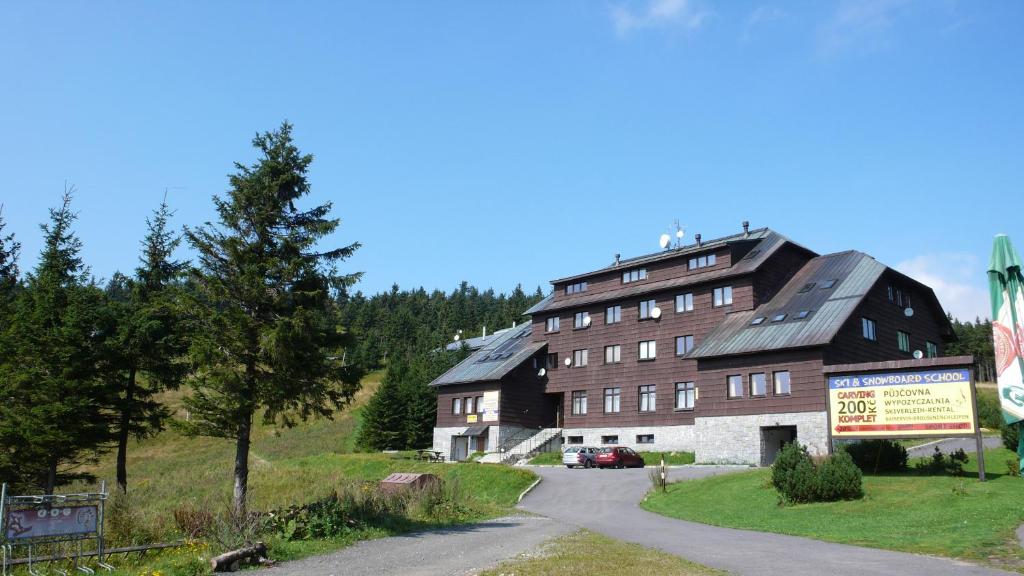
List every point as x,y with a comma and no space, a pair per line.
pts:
51,522
928,402
471,419
490,406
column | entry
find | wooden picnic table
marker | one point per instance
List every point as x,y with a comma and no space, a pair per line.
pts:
429,455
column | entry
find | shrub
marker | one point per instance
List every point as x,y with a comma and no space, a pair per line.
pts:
940,463
798,480
990,414
1010,438
876,456
839,478
193,522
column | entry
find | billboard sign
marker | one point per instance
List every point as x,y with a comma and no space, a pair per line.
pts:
934,402
51,522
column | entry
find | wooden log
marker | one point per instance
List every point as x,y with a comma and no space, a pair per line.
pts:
229,561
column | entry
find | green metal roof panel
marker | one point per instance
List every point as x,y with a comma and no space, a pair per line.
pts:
494,360
854,274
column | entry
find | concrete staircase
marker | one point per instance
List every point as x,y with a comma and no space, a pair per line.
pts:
525,449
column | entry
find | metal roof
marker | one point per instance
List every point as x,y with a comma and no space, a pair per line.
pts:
499,356
767,243
854,274
475,343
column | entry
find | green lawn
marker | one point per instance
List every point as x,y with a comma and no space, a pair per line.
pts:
587,554
912,513
651,458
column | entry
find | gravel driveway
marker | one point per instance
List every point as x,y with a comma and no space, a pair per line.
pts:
454,551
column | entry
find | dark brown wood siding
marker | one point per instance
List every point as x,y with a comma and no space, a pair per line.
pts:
777,271
850,346
445,394
523,399
807,385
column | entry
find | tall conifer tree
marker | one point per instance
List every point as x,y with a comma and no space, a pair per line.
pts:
267,337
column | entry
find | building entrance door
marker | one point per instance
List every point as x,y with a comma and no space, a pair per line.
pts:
773,438
460,448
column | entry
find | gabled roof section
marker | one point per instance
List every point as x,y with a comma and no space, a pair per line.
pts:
763,244
499,356
828,287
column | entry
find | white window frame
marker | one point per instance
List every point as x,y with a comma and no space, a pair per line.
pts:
579,402
613,314
722,296
552,324
869,329
644,308
579,358
764,384
687,344
457,406
579,320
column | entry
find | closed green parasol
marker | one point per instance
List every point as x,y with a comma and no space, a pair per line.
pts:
1006,287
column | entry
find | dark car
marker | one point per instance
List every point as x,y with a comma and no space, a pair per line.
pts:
619,457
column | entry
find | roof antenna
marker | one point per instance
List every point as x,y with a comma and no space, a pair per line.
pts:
746,229
679,234
697,238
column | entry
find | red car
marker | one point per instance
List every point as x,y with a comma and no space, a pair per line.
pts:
619,457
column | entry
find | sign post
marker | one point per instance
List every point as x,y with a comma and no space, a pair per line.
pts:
932,398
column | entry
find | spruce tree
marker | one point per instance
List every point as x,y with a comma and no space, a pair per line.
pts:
9,249
267,336
55,415
147,344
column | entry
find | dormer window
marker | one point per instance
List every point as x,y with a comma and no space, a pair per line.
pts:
634,275
575,288
702,261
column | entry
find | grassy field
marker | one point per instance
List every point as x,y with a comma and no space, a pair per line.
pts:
287,466
587,554
942,515
650,458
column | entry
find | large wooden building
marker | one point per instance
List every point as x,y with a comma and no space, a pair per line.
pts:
716,348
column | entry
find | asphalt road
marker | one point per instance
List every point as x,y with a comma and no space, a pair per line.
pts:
950,445
454,551
606,501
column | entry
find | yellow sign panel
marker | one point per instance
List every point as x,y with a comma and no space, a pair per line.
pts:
919,403
471,419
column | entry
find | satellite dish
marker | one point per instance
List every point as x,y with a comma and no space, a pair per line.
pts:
679,233
568,361
587,321
908,311
664,241
457,337
655,312
918,354
541,373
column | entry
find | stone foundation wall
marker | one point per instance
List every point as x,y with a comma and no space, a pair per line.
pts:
737,439
666,438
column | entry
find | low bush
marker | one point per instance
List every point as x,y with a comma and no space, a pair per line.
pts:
875,456
193,522
1010,436
797,479
940,463
990,414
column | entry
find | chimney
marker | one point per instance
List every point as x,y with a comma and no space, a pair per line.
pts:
697,238
746,228
485,333
617,256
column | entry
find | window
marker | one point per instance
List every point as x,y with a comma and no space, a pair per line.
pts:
648,350
684,302
634,275
828,284
551,361
479,404
612,396
779,317
931,349
702,261
781,380
574,439
903,341
579,402
613,314
456,406
758,384
613,354
868,328
581,320
735,386
579,358
575,288
803,314
469,405
645,438
685,395
807,288
645,308
647,398
757,321
683,345
722,296
614,439
551,325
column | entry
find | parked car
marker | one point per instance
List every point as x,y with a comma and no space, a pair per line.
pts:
619,457
583,456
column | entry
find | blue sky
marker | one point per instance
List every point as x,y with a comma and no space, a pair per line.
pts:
505,143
